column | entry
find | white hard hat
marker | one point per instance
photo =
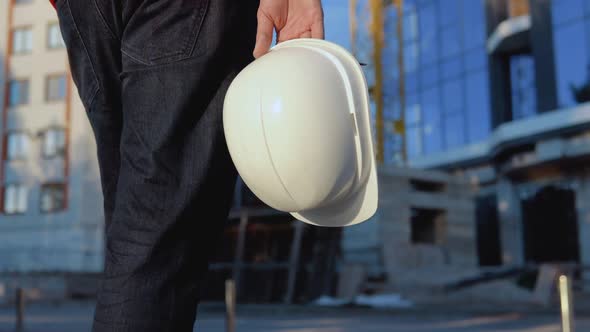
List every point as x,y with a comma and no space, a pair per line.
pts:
298,130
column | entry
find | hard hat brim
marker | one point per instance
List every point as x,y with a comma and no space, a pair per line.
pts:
352,211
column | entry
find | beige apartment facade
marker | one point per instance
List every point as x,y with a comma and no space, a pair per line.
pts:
50,199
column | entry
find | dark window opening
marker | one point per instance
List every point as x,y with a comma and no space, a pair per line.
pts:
550,226
53,197
426,226
489,250
427,186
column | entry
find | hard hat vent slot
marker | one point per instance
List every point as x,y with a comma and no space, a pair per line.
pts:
354,124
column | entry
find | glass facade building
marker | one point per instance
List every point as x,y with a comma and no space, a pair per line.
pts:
457,89
571,35
497,92
445,74
447,100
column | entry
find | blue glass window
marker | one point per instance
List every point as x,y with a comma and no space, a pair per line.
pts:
474,29
450,42
431,123
413,112
428,76
428,35
411,81
476,59
454,130
448,11
414,141
410,57
410,27
567,10
477,106
56,87
571,67
522,78
452,68
452,95
18,93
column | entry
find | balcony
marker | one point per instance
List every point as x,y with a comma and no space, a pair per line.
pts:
511,36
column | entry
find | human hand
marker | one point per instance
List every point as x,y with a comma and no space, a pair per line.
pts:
291,19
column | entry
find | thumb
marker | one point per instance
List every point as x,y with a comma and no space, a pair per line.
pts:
263,35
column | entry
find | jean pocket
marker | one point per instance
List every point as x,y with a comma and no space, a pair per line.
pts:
164,31
83,73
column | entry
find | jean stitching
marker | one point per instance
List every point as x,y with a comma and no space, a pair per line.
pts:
133,57
95,79
170,55
187,48
200,21
156,66
92,99
104,21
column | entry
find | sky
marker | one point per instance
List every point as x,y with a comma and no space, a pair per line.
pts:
336,22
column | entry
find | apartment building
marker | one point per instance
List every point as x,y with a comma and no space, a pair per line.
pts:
50,199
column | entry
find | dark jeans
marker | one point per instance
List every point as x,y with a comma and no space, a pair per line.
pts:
152,75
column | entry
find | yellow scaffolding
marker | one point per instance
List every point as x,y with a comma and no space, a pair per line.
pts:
400,124
377,34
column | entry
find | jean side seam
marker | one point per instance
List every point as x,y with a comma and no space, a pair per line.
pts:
95,76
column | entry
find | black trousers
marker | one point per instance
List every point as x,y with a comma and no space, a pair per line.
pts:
152,75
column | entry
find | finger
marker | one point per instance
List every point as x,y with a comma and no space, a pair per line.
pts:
263,35
317,30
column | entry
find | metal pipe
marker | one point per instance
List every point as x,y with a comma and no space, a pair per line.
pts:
230,305
567,308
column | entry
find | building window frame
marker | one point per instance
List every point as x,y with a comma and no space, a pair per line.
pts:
22,98
23,146
49,188
51,44
21,203
59,143
62,89
27,43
